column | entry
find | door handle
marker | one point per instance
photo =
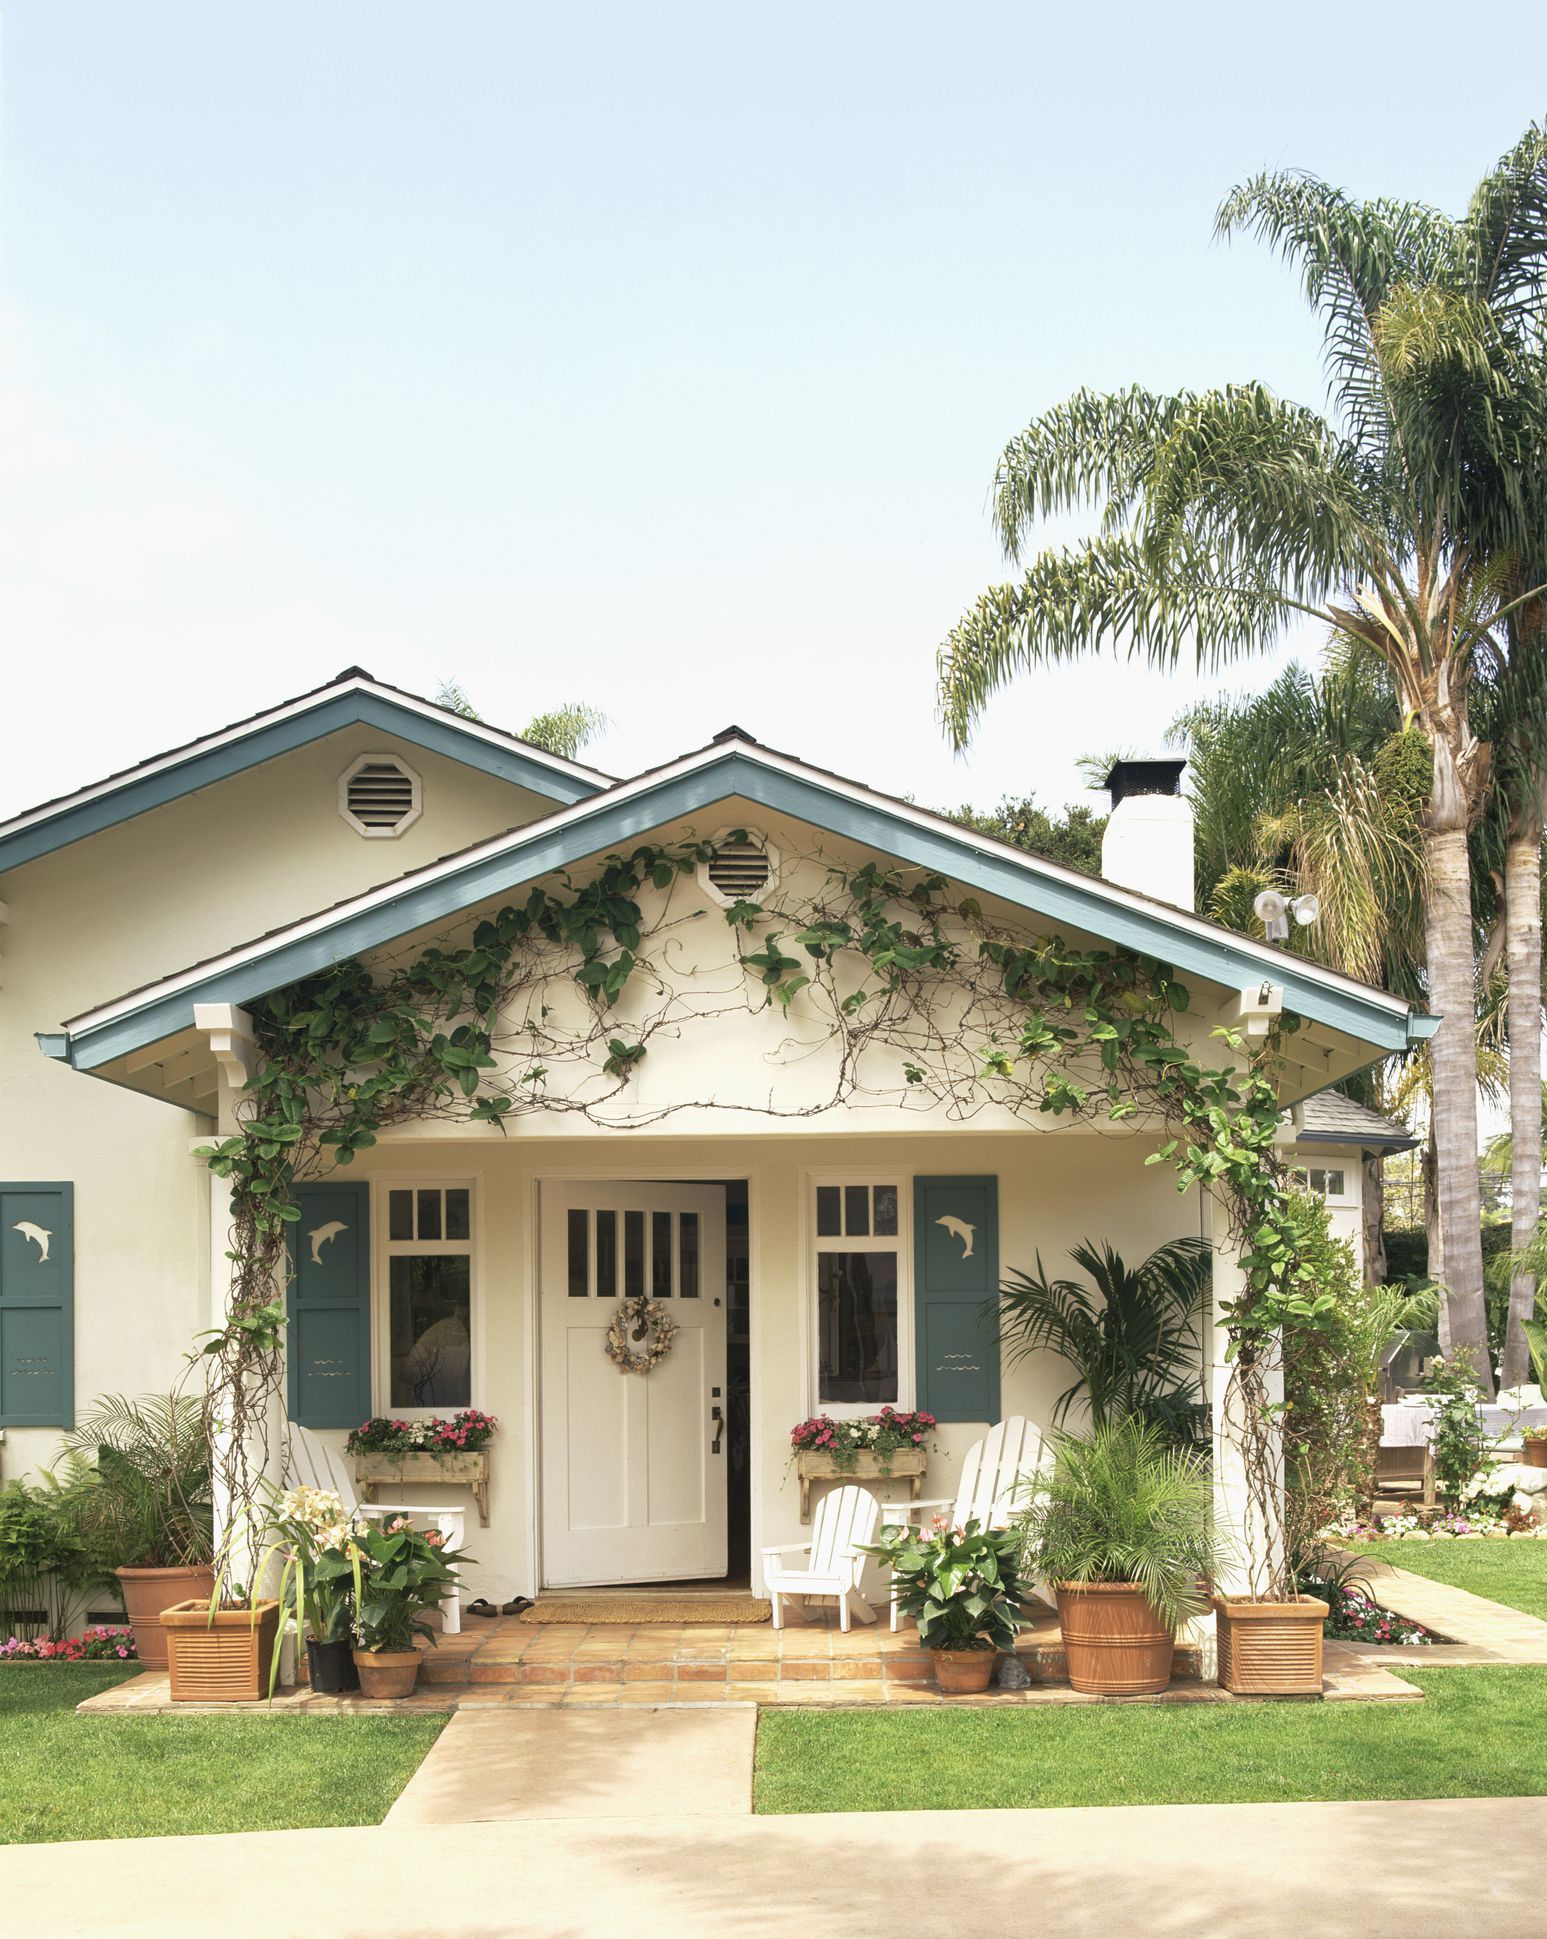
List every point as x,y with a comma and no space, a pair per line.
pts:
718,1418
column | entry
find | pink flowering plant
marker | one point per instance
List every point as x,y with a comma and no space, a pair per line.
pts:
400,1574
883,1435
97,1645
960,1584
453,1434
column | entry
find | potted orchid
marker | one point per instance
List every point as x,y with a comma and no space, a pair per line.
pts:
313,1534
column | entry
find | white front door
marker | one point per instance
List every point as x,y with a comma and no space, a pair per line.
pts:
634,1464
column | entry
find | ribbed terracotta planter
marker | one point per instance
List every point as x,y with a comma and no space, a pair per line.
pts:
1535,1453
387,1672
964,1672
226,1657
1270,1649
147,1592
1113,1644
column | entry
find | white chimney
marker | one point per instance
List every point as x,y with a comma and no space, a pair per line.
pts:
1148,844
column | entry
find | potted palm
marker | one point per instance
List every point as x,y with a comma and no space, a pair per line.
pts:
143,1506
961,1588
1122,1526
400,1574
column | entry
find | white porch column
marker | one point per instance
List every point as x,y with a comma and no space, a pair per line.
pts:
228,1032
1257,1550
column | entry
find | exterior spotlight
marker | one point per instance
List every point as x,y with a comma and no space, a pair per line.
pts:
1274,910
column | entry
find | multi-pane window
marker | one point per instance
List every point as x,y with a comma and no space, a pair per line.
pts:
859,1293
608,1252
1328,1182
429,1296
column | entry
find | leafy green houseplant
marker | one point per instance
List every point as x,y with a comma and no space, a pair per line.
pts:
1131,1335
961,1587
138,1487
400,1575
1123,1527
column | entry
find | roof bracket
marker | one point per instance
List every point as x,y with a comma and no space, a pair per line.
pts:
1256,1008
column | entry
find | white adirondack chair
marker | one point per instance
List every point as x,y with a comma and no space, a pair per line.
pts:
844,1521
313,1464
992,1484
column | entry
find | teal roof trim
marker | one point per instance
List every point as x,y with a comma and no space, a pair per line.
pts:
448,889
136,796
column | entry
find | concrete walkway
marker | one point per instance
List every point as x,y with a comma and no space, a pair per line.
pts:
1170,1872
496,1765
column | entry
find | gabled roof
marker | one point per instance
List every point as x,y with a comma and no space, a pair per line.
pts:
734,765
1330,1118
353,698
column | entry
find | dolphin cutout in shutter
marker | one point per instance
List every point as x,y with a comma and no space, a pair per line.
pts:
39,1235
324,1235
959,1229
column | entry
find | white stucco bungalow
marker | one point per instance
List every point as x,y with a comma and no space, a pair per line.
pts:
825,1243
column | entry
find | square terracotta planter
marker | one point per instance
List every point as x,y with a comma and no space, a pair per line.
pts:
1534,1452
1270,1649
224,1658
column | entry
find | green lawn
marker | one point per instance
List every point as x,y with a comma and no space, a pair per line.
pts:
1508,1572
67,1777
1476,1734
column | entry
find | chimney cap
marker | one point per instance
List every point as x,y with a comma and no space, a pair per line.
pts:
1143,777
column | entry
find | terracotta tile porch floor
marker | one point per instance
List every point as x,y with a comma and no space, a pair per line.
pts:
581,1665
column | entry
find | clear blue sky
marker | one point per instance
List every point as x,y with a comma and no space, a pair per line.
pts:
653,355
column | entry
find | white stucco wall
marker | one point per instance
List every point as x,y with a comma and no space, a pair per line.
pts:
104,915
1053,1191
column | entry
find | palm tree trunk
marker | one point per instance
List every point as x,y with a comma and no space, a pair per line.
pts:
1453,1051
1523,950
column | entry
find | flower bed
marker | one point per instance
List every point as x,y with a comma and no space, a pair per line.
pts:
456,1434
91,1646
1479,1524
1354,1617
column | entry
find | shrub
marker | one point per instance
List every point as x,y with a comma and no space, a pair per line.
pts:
1331,1377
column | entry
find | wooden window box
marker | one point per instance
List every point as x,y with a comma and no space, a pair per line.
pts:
865,1465
468,1468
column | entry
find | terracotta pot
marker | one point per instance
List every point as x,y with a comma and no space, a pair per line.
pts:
1270,1649
1113,1644
1534,1453
331,1667
964,1672
387,1672
227,1657
147,1592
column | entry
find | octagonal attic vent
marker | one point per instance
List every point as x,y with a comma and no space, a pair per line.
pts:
744,868
379,795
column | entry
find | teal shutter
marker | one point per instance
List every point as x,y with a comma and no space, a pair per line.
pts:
955,1296
37,1305
328,1348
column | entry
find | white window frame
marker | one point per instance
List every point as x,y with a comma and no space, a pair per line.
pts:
1305,1167
416,798
903,1244
384,1249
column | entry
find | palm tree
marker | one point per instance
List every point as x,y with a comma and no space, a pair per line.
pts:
1225,515
1315,786
1134,1343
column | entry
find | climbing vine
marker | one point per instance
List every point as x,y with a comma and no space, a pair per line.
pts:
553,1005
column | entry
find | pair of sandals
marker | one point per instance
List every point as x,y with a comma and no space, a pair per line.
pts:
481,1606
